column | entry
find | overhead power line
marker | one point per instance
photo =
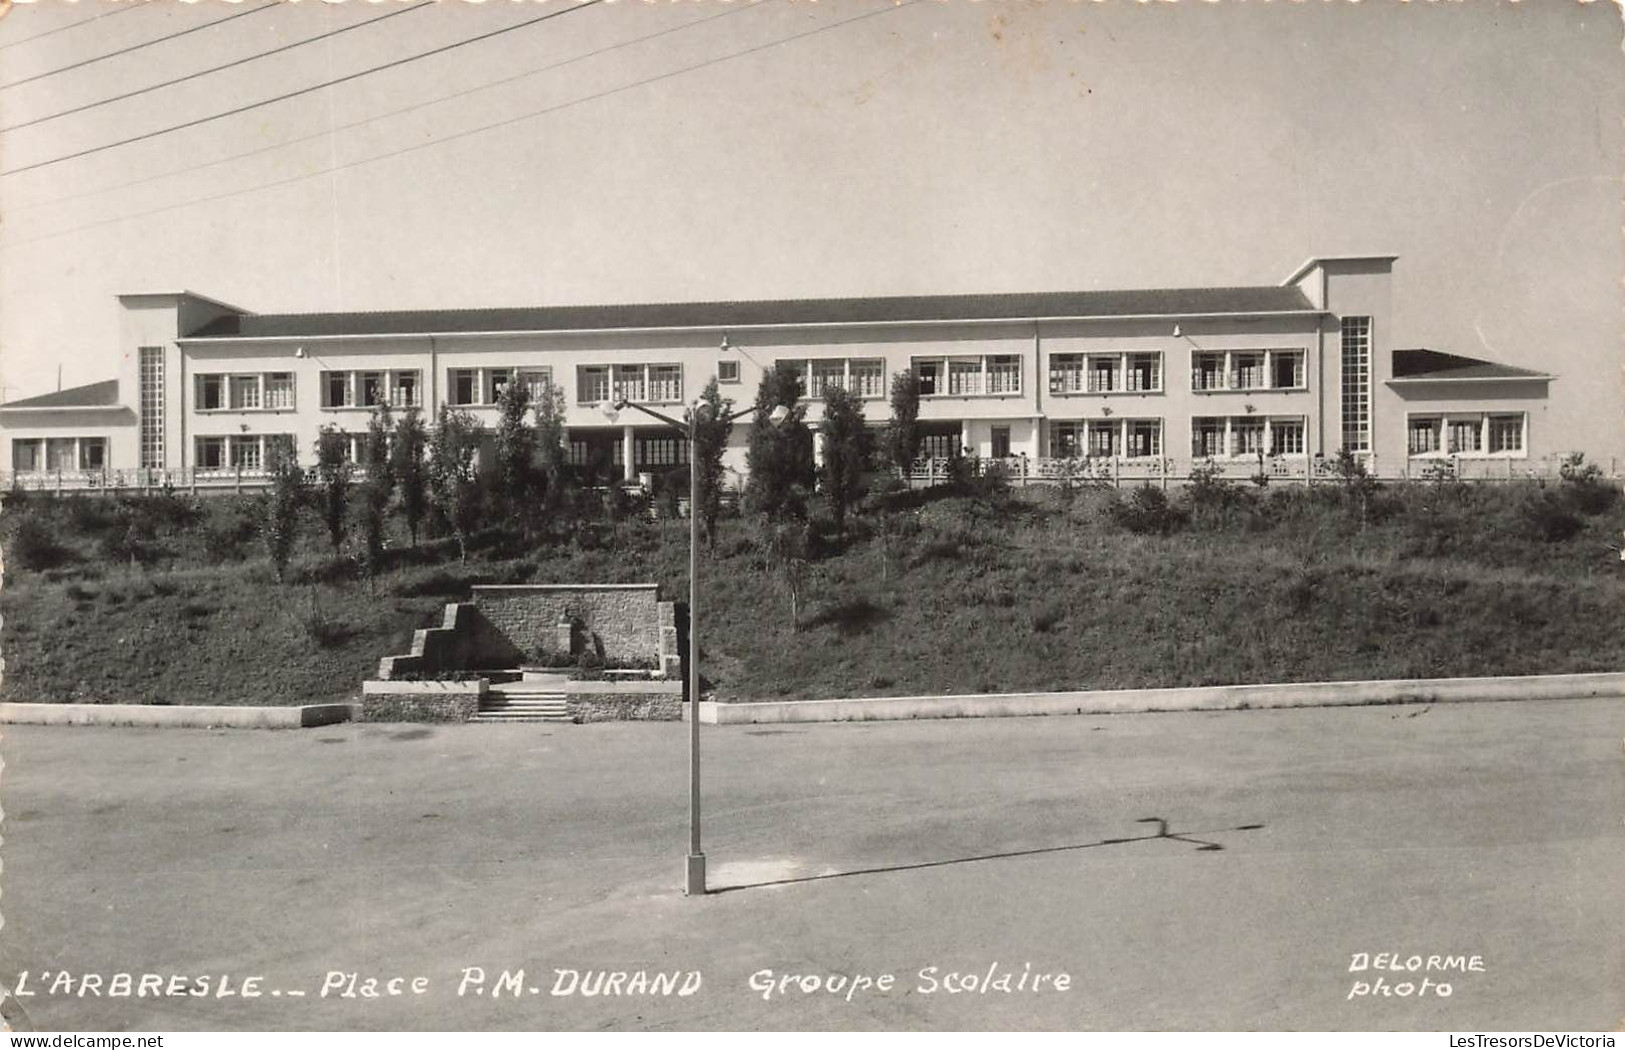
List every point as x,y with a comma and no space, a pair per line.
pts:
301,91
137,47
214,69
131,6
473,131
336,129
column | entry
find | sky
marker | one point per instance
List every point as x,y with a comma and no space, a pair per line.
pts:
784,149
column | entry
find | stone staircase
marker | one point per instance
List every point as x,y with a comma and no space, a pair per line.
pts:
536,697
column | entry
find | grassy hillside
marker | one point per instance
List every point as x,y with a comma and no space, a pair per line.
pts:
169,600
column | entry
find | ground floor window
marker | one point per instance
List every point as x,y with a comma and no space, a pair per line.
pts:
1207,437
660,452
1287,436
25,456
245,452
939,446
1246,436
1506,433
1103,436
1422,435
211,453
1144,437
1467,434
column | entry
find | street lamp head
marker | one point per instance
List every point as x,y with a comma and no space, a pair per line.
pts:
612,409
778,415
726,346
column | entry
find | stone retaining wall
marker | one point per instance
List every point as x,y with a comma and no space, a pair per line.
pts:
624,623
421,701
625,701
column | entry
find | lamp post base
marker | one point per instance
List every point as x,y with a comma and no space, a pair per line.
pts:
695,886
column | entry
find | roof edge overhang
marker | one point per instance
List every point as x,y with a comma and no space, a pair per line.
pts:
1533,377
43,409
1315,260
788,326
188,295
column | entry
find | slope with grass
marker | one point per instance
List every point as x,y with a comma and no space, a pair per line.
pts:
173,601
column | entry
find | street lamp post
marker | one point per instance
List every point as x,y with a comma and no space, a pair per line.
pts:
694,870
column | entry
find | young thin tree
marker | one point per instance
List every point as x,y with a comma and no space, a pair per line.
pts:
550,436
374,516
453,480
379,463
787,557
515,455
281,524
712,428
847,447
780,455
903,432
333,472
408,470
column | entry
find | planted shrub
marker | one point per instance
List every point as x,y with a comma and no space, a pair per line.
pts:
1544,515
1583,486
1146,511
34,547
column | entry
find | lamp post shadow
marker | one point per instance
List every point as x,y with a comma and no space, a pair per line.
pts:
1162,832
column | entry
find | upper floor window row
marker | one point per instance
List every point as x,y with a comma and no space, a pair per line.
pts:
484,386
864,377
244,391
656,384
398,388
1248,370
1121,372
981,375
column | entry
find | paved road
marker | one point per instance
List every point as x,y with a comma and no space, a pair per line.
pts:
1292,841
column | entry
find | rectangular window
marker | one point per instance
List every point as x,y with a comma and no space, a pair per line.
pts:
592,384
464,387
964,377
1207,437
1066,374
1356,400
1103,438
1287,436
1066,440
666,383
59,454
930,373
336,390
1246,436
1004,374
629,383
152,407
1423,435
245,391
576,453
1286,369
1246,370
1144,438
1207,371
211,453
869,377
1001,442
1466,435
661,452
211,392
371,389
727,371
1145,372
497,380
536,382
403,389
939,445
25,455
826,374
245,452
279,390
1506,433
92,453
1102,374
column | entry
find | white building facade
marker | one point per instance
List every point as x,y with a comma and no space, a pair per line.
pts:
1277,377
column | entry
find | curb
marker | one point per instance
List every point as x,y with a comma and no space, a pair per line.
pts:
175,717
1197,698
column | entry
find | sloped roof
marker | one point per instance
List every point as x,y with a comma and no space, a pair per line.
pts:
91,395
1436,364
1173,302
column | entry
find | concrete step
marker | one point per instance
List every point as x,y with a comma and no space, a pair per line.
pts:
510,705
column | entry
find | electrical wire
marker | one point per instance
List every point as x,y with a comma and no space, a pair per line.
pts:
471,131
137,47
326,132
214,69
295,94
